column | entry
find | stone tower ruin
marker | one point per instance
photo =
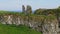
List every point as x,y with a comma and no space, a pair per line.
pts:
28,9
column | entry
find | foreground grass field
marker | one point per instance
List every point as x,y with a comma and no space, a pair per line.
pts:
12,29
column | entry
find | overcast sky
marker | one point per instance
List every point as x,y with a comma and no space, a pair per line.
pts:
17,4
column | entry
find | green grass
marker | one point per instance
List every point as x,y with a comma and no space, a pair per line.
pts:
12,29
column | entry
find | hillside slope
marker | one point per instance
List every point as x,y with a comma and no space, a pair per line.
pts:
12,29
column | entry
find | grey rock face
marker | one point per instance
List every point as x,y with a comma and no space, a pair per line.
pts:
47,26
50,26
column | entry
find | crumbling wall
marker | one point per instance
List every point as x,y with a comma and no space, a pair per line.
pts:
39,23
50,26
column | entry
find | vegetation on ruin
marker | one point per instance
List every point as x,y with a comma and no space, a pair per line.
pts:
39,15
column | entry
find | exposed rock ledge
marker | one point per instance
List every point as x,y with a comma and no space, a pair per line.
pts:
45,25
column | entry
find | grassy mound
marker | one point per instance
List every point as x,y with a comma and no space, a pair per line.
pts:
12,29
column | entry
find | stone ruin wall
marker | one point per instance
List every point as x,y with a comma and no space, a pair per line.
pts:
46,26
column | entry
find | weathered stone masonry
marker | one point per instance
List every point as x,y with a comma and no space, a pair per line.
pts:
47,26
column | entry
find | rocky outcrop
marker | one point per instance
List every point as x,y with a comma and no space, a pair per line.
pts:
50,26
47,25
